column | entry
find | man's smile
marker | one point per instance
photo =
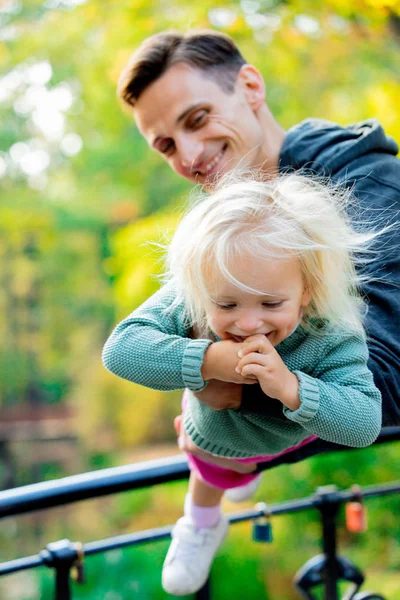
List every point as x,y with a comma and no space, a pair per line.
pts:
211,167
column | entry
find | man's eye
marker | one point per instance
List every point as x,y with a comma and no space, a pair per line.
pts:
198,119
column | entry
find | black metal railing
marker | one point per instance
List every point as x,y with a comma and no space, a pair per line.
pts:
326,569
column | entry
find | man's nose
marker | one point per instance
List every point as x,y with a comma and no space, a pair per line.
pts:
190,151
249,322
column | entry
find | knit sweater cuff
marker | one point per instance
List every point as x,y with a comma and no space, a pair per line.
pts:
309,398
192,363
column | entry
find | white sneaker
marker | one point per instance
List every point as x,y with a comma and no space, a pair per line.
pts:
243,492
189,557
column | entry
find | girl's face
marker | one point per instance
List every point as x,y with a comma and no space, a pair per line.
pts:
237,314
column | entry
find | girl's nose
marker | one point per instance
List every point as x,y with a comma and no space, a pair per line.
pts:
249,323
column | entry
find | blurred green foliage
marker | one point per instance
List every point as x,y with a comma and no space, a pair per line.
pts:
84,204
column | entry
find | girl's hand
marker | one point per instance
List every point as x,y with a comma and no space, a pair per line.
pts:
258,358
220,360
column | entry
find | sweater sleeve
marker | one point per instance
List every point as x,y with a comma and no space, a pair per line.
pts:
152,346
339,401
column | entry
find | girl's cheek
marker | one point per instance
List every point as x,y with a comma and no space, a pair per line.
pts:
212,321
217,324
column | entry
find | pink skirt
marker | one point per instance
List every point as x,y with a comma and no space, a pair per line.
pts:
223,478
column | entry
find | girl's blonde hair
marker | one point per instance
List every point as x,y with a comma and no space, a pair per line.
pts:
287,215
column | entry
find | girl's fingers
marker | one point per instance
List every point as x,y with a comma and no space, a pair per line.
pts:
256,343
252,369
250,379
253,358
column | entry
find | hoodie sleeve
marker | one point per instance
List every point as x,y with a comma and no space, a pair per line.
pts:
339,401
152,346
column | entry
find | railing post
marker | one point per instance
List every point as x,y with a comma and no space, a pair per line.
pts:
61,556
328,505
63,583
205,592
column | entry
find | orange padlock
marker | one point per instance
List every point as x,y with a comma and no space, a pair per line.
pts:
356,513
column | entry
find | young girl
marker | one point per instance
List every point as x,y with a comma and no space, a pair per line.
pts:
261,291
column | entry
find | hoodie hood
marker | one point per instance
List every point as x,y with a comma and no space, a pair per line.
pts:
363,158
325,148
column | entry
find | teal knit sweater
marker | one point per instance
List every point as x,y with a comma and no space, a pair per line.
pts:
339,401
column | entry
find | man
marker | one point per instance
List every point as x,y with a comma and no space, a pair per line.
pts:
203,108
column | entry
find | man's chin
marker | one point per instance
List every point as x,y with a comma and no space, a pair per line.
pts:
211,181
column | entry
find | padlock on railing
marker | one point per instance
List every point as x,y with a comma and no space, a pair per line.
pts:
262,528
356,513
77,569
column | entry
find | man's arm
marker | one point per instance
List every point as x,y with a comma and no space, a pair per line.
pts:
220,395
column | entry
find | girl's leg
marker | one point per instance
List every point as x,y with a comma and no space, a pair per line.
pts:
204,494
198,534
195,539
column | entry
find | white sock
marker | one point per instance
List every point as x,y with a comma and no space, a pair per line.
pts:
202,516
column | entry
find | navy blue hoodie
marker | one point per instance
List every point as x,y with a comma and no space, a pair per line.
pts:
363,157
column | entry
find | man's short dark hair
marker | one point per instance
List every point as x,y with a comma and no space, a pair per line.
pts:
212,52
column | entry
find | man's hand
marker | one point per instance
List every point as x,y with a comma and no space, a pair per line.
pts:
258,358
220,360
220,395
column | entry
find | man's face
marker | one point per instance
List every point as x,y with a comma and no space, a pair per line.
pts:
201,130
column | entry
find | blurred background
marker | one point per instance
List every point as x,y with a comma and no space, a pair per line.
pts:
81,198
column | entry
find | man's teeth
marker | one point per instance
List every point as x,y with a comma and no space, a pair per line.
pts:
214,161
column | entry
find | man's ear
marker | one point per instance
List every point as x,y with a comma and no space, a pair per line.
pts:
253,84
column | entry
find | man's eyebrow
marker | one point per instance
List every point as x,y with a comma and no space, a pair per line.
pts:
178,120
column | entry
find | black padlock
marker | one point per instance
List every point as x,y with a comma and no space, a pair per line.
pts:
262,528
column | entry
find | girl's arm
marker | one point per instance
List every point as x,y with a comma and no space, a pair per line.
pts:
336,399
340,402
152,346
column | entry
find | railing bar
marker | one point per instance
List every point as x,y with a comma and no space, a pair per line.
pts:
21,564
297,505
379,490
91,485
152,535
130,539
116,479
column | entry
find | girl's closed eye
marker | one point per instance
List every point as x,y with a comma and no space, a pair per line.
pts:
229,306
273,304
